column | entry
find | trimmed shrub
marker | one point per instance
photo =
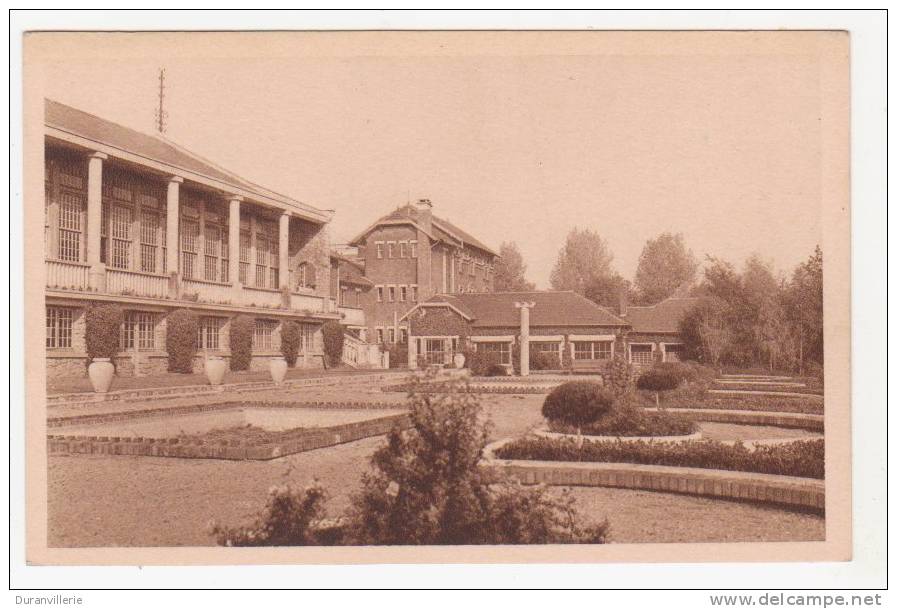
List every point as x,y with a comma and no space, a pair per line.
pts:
182,328
805,458
290,340
577,403
102,330
481,362
497,370
658,379
628,421
242,328
618,377
540,360
334,337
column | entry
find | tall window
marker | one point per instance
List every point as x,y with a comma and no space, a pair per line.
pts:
414,293
379,245
263,336
245,253
379,336
379,293
215,250
305,275
403,293
390,246
71,207
59,328
274,261
149,240
403,335
209,331
138,331
306,337
189,247
391,333
403,249
392,293
265,255
413,245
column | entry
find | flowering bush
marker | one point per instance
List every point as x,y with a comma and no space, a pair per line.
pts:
182,327
577,403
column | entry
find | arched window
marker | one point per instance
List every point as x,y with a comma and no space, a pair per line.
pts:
305,275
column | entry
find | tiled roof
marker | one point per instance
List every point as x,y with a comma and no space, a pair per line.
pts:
496,309
442,228
350,271
662,317
155,148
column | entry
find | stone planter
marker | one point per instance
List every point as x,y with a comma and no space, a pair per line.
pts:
278,368
101,372
459,360
215,368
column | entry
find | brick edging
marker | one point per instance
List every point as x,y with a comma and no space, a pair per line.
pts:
791,491
790,420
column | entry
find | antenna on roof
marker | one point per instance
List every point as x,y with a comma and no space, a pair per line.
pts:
161,114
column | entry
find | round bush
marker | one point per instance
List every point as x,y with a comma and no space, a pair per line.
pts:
577,403
241,330
334,336
290,337
102,330
658,379
182,327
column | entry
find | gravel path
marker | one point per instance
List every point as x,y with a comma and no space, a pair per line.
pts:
152,501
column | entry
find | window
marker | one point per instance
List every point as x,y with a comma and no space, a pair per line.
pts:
413,245
379,245
212,253
59,328
403,249
245,255
549,347
436,350
390,246
209,332
379,293
138,331
261,259
502,348
391,333
379,336
150,224
343,296
306,275
414,293
306,337
403,293
403,335
641,354
592,350
71,207
672,352
120,227
392,293
189,247
263,336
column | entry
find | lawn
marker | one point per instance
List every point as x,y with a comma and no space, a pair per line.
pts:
147,501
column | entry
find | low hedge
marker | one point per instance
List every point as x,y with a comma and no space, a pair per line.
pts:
754,403
768,388
804,458
629,421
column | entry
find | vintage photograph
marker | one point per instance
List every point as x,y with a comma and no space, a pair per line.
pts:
557,290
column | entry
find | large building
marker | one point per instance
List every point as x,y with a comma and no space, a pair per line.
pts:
137,220
409,256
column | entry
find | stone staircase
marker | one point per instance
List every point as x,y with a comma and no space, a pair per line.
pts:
359,354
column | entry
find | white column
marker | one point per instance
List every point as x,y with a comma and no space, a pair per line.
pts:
97,272
233,242
524,335
412,350
172,227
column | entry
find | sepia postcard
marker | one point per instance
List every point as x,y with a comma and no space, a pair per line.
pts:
437,297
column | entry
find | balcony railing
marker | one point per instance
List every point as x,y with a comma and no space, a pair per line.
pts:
136,284
210,291
306,302
67,275
261,297
352,316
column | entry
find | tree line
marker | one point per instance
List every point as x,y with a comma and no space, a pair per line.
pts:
746,318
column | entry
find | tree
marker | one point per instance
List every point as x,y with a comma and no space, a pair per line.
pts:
705,331
584,260
664,266
804,308
608,290
510,270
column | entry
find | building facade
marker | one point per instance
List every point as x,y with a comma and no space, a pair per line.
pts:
409,256
654,330
136,220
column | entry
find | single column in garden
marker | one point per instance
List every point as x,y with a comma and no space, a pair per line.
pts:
283,251
172,232
233,243
412,351
97,271
524,335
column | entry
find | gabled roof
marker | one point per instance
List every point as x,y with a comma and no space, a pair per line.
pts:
350,271
152,147
554,309
442,229
663,317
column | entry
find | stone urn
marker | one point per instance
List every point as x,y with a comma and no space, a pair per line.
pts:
458,360
215,368
101,372
278,368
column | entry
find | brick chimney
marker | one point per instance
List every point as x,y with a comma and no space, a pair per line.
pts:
424,209
624,301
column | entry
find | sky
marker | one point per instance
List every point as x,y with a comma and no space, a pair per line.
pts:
718,140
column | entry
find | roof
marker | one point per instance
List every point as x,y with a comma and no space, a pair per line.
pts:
663,317
152,147
497,309
350,271
442,228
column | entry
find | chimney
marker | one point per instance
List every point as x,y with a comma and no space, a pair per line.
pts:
624,301
424,209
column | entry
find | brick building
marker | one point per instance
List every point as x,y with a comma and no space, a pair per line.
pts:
654,330
135,219
410,255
